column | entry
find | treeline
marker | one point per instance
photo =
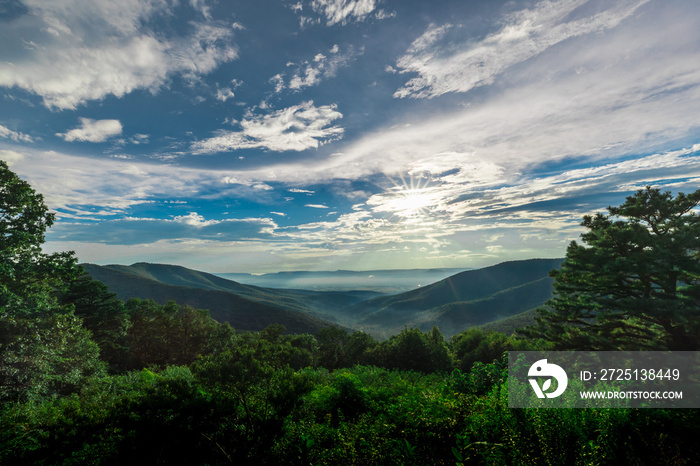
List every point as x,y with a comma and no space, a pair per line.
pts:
142,334
175,387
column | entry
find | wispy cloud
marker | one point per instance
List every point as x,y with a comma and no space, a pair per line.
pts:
312,72
14,135
130,231
94,131
340,11
84,54
525,34
343,11
295,128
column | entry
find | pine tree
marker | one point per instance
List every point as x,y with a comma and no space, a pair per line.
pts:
636,283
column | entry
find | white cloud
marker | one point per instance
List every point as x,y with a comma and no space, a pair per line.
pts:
10,156
343,11
311,73
202,7
89,50
310,78
278,81
191,227
93,130
138,139
224,94
500,165
296,128
526,34
317,206
14,135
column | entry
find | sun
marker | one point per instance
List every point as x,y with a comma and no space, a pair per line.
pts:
410,199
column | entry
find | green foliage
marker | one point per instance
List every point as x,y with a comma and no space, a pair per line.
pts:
338,348
43,348
475,345
104,315
28,277
413,350
167,335
636,285
41,356
231,409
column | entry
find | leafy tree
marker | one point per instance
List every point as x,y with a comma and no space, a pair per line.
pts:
357,347
475,345
413,350
338,348
168,334
331,341
104,315
43,347
636,283
28,277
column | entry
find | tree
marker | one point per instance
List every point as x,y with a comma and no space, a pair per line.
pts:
331,341
28,277
413,350
104,315
636,285
44,348
475,344
169,334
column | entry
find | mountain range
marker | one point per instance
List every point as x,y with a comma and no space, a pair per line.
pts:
385,281
465,299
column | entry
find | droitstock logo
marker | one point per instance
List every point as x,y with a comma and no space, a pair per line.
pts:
542,369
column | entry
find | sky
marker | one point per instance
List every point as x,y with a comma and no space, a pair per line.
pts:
271,135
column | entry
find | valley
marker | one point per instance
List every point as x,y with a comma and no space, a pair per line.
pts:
454,303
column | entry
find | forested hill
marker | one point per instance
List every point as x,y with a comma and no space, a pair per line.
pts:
244,307
463,300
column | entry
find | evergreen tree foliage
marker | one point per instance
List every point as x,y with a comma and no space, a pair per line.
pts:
636,282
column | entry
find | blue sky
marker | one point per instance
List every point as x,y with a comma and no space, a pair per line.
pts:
343,134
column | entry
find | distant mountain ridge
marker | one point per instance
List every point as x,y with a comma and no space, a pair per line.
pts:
387,281
244,307
471,298
463,300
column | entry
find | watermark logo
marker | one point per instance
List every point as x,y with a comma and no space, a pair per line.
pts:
542,368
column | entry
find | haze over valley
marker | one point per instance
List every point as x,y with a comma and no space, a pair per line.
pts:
454,304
